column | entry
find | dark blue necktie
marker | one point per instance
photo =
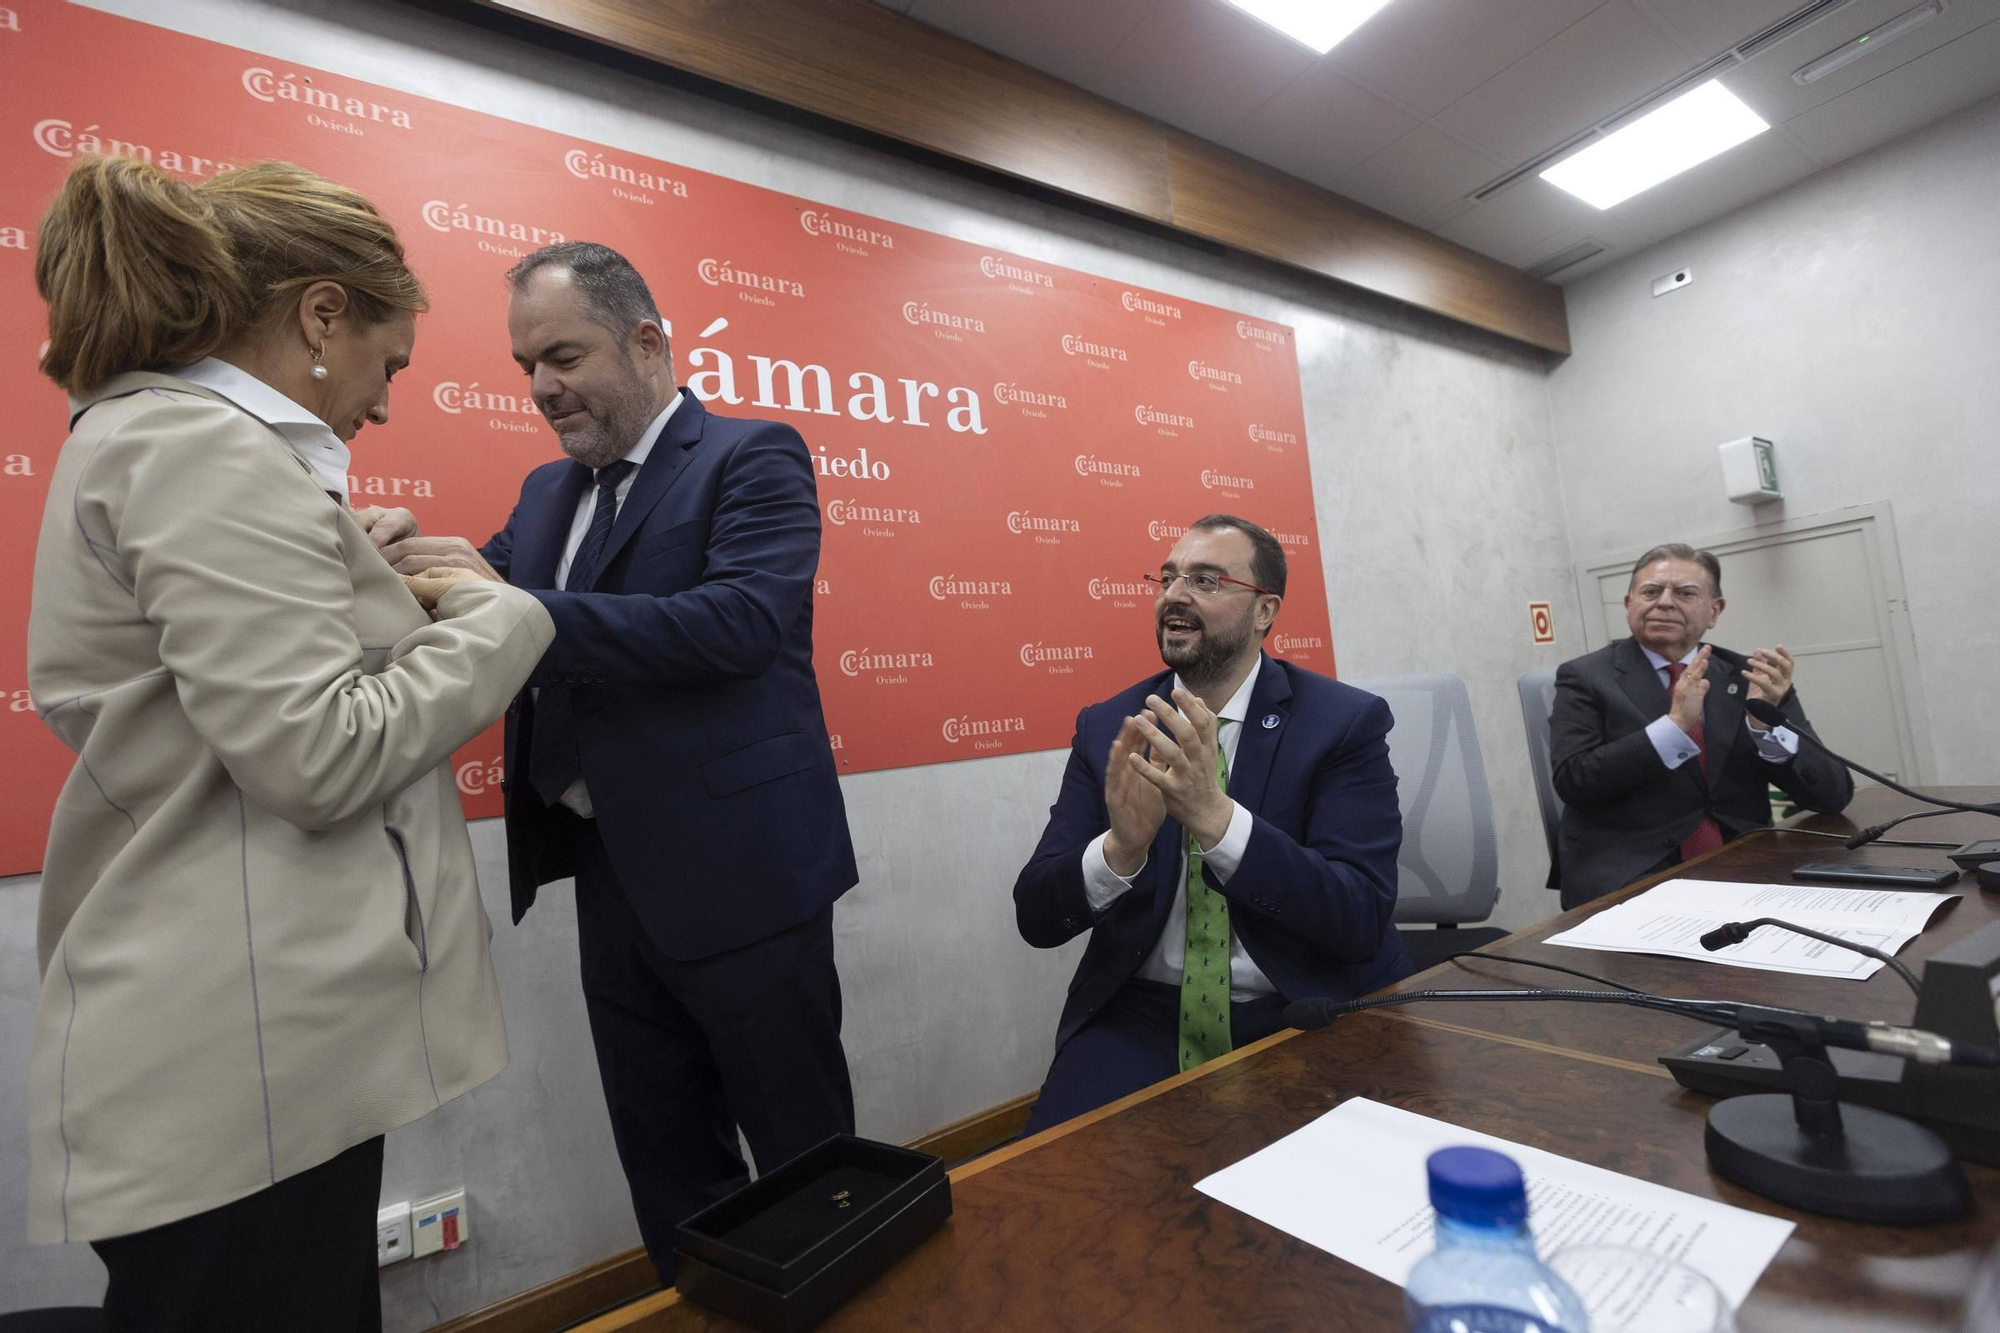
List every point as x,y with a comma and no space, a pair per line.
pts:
553,764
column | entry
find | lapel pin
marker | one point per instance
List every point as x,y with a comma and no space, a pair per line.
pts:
1732,687
1270,721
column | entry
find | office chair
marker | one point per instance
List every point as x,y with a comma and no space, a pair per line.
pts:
1538,700
1448,872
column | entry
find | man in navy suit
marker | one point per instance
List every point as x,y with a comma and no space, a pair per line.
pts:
1226,831
670,752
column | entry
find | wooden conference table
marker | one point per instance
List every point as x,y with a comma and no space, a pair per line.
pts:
1096,1224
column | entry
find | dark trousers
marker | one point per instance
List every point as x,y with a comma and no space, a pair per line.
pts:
691,1051
1134,1041
298,1256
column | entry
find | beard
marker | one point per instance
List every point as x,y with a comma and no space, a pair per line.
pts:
608,428
1205,659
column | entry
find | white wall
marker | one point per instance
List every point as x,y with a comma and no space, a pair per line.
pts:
1855,320
1435,484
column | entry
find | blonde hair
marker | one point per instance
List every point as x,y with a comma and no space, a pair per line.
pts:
145,272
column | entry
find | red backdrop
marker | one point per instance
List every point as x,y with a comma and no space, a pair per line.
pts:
1004,445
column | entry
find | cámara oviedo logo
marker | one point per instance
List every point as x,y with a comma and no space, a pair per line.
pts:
846,236
1156,310
872,520
1212,480
1030,401
983,732
947,587
627,183
1169,423
493,232
505,411
809,388
1120,592
1056,657
757,288
1097,355
1164,532
1045,531
1271,439
477,775
943,323
856,662
265,86
1017,276
1297,643
1264,339
1215,377
1103,469
61,138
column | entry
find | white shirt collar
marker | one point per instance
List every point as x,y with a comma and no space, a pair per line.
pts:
640,451
1659,663
1238,706
310,438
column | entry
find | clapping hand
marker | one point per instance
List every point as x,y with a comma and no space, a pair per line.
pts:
1182,766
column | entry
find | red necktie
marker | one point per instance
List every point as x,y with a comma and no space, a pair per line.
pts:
1707,835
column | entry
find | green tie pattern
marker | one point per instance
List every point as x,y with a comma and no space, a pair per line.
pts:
1205,966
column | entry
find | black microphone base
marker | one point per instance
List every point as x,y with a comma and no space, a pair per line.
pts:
1884,1169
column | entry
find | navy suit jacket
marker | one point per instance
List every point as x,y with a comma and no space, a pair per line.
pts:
1313,900
690,665
1623,811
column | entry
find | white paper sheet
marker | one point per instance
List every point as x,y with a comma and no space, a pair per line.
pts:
1671,918
1353,1183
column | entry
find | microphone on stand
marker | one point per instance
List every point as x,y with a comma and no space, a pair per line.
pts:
1735,932
1771,715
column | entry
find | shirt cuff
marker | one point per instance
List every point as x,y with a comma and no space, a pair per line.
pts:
1674,746
1103,886
1220,861
1777,746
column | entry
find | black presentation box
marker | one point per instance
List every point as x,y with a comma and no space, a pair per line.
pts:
784,1251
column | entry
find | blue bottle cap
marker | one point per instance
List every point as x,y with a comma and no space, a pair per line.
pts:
1478,1187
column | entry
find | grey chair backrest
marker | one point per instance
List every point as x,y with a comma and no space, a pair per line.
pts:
1449,868
1538,700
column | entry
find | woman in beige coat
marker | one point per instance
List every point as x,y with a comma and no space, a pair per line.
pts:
261,937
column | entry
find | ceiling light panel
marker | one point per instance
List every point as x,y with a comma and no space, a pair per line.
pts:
1319,24
1660,144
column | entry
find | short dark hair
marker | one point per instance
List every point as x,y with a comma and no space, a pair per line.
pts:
616,295
1267,557
1680,551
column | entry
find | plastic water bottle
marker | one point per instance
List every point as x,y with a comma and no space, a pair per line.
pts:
1484,1276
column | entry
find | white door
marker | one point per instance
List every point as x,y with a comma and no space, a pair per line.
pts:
1829,588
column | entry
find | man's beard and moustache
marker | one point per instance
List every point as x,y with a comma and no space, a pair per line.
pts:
610,426
1205,662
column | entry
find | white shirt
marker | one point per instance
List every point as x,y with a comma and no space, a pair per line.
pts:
577,797
310,438
1675,747
1103,886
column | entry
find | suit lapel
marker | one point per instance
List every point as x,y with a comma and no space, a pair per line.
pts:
545,528
1638,678
1270,697
669,457
1722,712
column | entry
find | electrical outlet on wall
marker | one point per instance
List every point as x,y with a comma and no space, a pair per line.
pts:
439,1223
392,1233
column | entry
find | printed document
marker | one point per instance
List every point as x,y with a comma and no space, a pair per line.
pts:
1353,1183
1671,918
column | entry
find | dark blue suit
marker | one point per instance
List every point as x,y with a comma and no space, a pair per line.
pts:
706,880
1312,901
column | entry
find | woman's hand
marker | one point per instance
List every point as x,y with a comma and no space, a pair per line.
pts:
432,584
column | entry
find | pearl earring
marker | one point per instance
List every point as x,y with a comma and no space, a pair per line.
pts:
319,370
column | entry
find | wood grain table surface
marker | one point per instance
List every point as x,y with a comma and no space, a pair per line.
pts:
1096,1224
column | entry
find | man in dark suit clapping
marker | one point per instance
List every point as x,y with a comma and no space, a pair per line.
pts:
1654,756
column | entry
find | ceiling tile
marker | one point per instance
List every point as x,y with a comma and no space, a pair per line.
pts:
1588,71
1766,83
1710,28
1426,54
1059,37
1525,224
1319,125
1201,65
1924,90
1419,175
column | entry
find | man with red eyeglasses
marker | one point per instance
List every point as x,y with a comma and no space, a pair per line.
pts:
1226,832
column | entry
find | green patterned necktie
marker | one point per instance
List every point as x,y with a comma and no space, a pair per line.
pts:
1205,966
